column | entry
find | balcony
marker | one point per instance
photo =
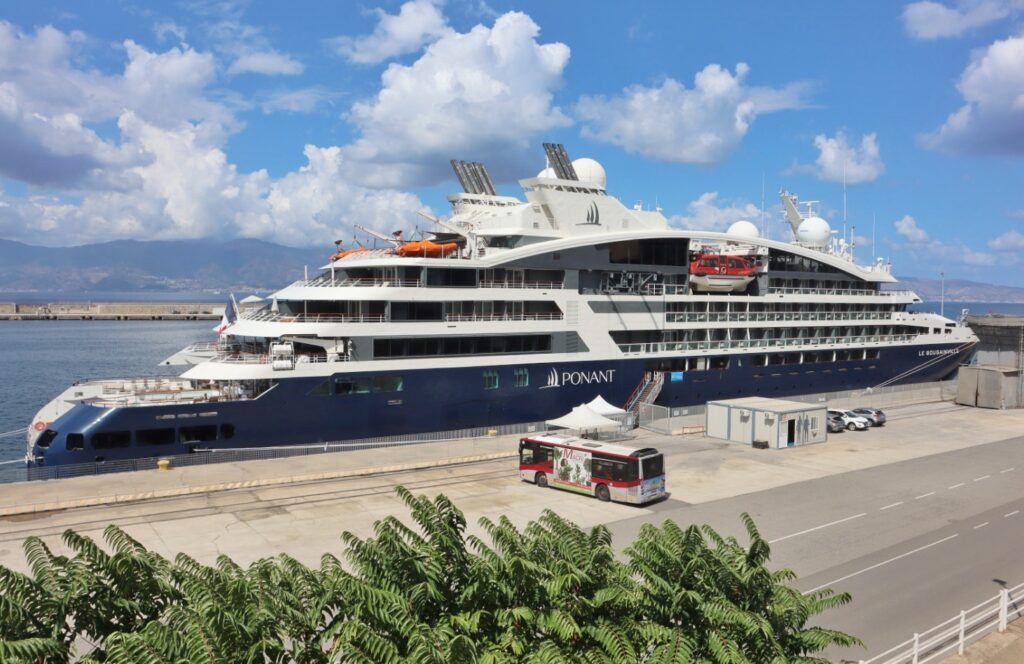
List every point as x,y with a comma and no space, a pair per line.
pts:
760,344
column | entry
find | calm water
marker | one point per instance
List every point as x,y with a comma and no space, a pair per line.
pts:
39,359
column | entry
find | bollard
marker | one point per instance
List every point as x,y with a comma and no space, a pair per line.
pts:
163,464
492,432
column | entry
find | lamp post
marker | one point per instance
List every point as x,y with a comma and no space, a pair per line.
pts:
942,296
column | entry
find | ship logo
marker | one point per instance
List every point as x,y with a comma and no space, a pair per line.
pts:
556,379
593,216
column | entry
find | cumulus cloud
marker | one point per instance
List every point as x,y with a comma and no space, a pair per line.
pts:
837,159
698,125
417,23
992,119
486,93
266,62
933,20
924,249
1008,241
908,228
707,214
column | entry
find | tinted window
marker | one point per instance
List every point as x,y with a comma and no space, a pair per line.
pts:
155,436
75,441
351,385
198,434
387,383
227,431
322,389
46,437
111,439
534,453
653,466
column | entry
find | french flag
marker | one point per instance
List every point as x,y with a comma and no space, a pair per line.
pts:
229,317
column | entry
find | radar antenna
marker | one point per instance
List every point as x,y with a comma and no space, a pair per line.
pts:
559,160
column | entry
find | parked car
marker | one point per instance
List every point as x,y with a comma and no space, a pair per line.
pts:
873,415
850,420
836,425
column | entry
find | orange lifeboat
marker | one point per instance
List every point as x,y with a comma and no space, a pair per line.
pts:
427,249
347,252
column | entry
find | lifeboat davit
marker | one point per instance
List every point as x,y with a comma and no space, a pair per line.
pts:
427,249
721,273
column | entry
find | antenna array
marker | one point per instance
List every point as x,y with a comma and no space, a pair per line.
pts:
559,160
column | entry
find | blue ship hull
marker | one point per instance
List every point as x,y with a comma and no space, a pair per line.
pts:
291,413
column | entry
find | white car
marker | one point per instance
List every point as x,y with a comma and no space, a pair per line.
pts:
851,420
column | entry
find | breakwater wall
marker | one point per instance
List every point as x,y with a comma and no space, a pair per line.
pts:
110,311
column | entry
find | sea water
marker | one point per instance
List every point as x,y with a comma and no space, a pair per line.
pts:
40,359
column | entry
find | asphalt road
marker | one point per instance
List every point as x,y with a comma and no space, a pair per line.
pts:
913,542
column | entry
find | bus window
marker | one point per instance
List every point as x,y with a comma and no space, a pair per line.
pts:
534,454
653,466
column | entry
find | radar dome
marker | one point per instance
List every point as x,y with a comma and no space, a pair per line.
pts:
814,232
590,172
548,173
744,228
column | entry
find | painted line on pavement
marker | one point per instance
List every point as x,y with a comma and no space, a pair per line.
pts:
884,562
983,477
981,525
811,530
924,495
955,486
1006,516
1007,470
880,509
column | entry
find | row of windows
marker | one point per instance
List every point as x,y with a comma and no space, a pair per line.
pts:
109,440
520,378
429,346
359,385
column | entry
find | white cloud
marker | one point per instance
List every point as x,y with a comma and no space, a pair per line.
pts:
302,100
992,119
700,125
1008,241
705,214
168,29
270,63
933,20
417,23
486,93
908,228
838,160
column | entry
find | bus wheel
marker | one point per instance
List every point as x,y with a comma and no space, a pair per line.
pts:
601,491
541,480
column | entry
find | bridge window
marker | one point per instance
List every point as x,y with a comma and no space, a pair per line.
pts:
346,385
106,440
227,431
198,434
75,441
387,383
155,436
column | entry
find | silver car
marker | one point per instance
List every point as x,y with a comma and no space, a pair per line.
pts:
873,415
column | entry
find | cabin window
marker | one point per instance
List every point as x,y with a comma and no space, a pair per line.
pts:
75,441
490,380
198,434
227,431
520,377
387,383
155,436
45,438
106,440
352,385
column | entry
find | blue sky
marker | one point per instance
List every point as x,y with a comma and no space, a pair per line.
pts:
293,121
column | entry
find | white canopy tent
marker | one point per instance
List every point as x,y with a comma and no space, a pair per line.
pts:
583,417
602,407
252,299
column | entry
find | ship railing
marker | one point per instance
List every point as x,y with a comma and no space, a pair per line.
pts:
264,358
362,282
780,290
270,316
769,343
490,283
466,318
772,316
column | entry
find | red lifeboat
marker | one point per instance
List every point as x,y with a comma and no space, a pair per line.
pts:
721,272
427,249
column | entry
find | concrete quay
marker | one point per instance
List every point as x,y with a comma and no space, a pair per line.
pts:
111,311
915,519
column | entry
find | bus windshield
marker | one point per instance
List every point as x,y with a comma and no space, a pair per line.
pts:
653,466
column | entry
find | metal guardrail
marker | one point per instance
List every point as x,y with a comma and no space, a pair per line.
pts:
266,316
957,632
774,343
773,316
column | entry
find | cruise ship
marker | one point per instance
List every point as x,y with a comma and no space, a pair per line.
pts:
516,311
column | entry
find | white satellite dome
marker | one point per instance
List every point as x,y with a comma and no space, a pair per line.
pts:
590,172
744,228
814,232
548,173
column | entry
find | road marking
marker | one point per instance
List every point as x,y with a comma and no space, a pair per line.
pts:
981,525
925,495
811,530
983,477
884,562
1006,470
1006,516
956,486
889,506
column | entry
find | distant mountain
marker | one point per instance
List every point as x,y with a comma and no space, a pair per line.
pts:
130,265
958,290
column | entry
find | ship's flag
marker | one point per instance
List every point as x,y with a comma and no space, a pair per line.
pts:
228,318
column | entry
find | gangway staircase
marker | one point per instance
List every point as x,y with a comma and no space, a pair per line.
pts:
645,393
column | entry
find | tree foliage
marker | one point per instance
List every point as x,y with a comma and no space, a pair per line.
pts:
423,593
